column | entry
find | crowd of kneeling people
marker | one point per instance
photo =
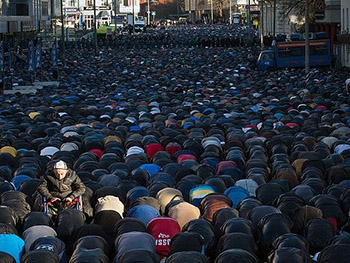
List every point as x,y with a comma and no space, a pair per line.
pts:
176,155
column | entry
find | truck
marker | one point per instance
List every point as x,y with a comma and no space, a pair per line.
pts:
292,55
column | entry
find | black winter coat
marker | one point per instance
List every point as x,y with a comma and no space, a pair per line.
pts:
70,186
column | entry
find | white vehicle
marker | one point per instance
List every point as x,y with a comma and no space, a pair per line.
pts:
138,22
119,20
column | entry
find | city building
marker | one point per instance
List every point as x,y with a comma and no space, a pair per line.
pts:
271,18
41,16
24,16
343,48
329,20
275,20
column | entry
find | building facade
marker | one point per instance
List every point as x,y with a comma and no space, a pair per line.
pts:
343,37
207,10
45,15
276,20
329,22
269,18
24,16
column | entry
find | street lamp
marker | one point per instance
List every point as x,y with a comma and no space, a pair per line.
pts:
307,38
148,13
261,27
248,13
230,2
133,17
274,19
212,11
248,18
95,27
177,9
115,16
62,36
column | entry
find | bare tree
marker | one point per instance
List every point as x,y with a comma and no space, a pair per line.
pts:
219,6
297,7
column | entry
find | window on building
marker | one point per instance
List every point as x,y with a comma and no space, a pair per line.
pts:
22,9
45,8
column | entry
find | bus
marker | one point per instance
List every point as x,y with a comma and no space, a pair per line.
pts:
292,55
